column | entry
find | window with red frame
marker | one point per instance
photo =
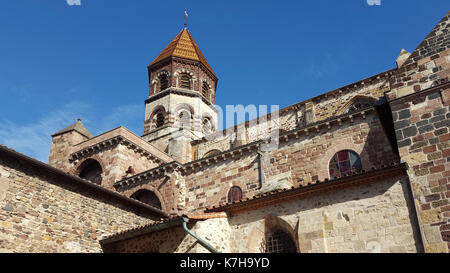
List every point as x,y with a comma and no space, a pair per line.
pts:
344,163
235,194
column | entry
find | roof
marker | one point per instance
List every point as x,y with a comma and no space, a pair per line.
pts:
170,222
83,185
183,46
78,127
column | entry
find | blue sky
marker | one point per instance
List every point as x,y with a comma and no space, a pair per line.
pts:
60,62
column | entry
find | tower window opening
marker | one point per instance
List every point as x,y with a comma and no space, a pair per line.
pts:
205,90
164,82
185,81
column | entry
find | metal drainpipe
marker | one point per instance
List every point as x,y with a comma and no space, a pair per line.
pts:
200,240
260,169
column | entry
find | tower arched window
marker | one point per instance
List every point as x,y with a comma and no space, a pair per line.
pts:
184,118
234,194
185,81
158,119
344,162
205,90
91,170
207,125
148,197
164,82
280,241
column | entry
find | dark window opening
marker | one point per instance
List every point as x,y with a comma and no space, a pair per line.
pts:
280,242
91,170
164,82
235,194
147,197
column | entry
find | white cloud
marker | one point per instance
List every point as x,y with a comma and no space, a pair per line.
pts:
34,138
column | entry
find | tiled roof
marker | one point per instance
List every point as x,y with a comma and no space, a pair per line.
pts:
173,220
183,46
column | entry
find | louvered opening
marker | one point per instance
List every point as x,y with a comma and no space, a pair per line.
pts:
185,81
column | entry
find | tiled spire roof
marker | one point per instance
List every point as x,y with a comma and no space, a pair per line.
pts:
183,46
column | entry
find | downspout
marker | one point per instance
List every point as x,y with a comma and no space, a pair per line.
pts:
416,214
200,240
260,168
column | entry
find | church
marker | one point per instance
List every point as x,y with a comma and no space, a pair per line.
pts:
362,168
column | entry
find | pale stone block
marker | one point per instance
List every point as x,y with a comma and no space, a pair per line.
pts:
432,234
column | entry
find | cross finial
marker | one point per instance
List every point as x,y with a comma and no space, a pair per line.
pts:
185,19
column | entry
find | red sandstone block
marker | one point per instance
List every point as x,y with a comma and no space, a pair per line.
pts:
433,183
436,169
446,153
444,137
429,149
425,206
447,194
446,208
446,96
429,135
414,119
418,138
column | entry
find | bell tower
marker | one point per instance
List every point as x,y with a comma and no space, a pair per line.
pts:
180,107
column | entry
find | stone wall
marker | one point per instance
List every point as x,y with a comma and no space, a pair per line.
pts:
322,107
116,151
299,160
44,212
421,121
171,240
369,218
428,65
420,100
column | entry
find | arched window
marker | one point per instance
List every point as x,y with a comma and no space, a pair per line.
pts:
185,81
207,125
158,119
164,82
280,242
234,194
358,104
205,90
344,163
211,153
91,170
148,197
183,118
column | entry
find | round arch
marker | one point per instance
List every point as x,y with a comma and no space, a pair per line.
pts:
147,197
90,169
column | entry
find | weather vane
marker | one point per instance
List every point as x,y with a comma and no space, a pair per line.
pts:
185,19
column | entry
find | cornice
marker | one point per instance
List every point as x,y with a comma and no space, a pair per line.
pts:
111,142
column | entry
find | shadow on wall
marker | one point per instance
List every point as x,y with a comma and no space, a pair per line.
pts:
347,205
171,240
